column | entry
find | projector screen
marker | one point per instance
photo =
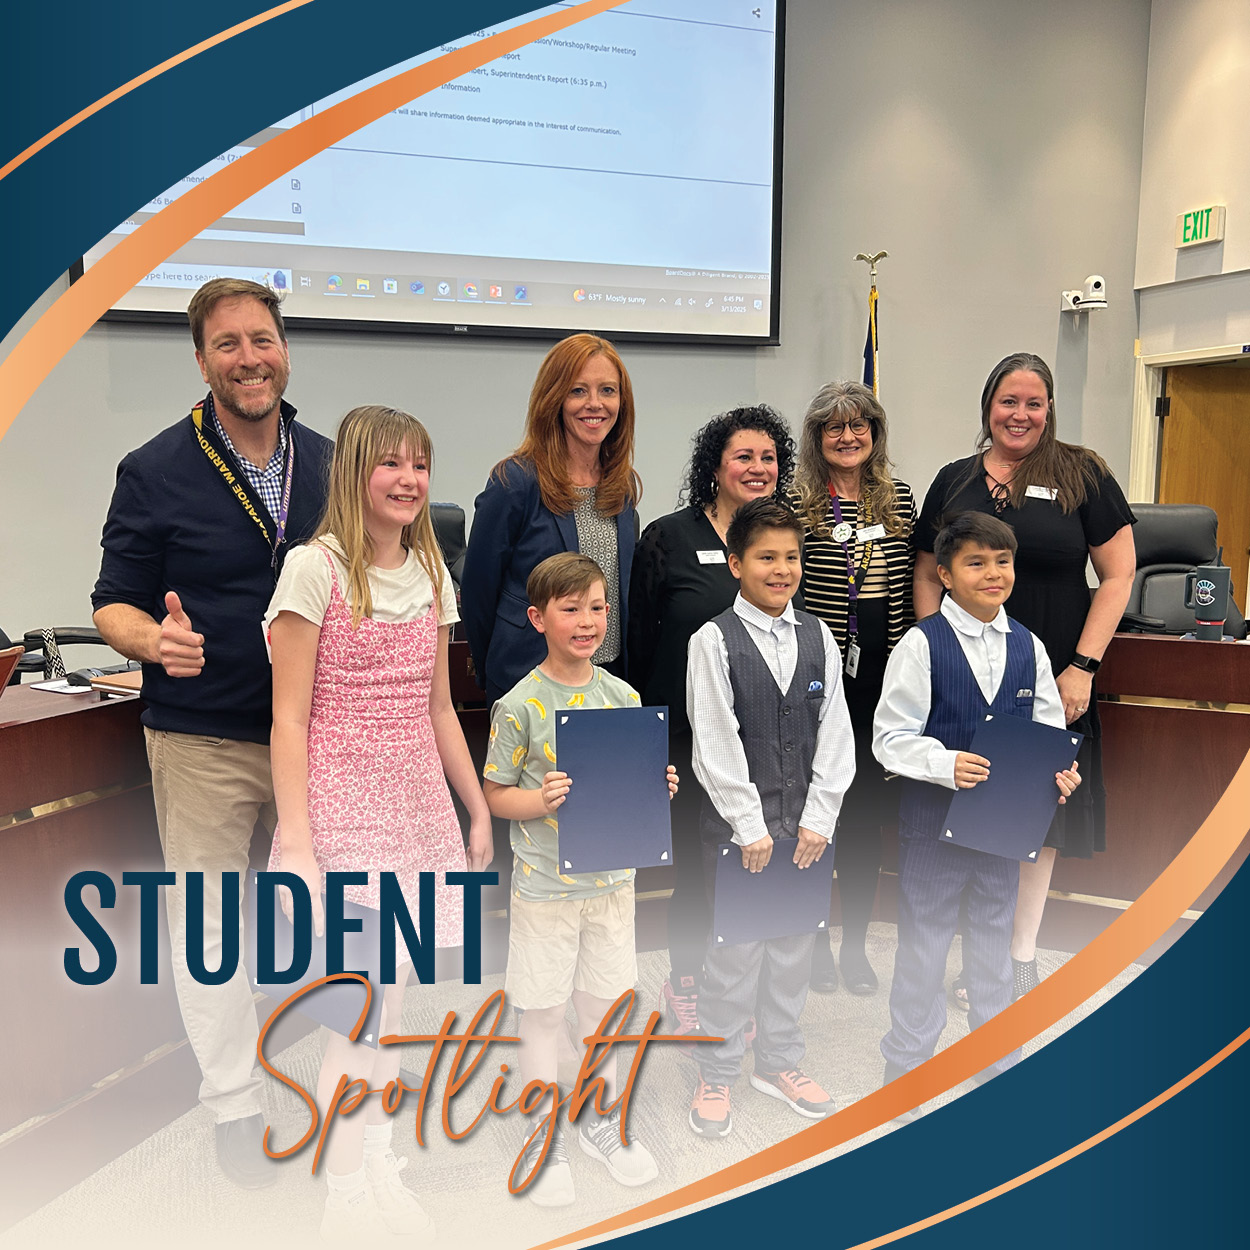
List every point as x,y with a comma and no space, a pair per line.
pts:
623,176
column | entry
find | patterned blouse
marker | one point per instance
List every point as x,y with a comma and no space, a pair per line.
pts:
596,538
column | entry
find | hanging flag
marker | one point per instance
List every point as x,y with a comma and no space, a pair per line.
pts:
872,376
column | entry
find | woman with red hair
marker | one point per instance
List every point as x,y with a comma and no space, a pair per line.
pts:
569,486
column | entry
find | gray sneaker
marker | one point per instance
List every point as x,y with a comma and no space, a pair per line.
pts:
601,1139
553,1186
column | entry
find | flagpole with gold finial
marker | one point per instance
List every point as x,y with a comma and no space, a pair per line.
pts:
872,375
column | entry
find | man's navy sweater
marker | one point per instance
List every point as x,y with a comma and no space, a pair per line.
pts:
174,524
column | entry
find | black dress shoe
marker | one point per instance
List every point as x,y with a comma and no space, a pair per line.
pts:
240,1154
857,973
824,969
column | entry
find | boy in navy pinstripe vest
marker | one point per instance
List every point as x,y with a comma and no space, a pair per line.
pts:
950,670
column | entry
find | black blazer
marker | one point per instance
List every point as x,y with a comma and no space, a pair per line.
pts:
513,531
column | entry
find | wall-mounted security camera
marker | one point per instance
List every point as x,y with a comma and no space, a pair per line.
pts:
1092,295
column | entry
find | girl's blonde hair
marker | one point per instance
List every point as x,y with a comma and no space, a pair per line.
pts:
366,435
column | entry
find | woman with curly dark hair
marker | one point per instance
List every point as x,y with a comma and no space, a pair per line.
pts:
680,580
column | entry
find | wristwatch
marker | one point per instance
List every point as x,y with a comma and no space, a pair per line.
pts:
1091,666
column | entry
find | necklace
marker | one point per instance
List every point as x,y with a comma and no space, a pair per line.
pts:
1000,490
714,521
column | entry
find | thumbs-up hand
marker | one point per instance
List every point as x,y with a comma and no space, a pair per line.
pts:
181,649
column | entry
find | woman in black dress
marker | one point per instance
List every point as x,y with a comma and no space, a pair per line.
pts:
858,560
1066,508
680,581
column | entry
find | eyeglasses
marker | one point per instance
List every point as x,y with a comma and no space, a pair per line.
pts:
858,425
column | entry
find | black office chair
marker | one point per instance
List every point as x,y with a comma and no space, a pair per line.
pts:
43,647
1171,539
448,521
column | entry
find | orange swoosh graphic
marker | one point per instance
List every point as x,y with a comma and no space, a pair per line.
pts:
1135,930
73,314
1042,1168
155,72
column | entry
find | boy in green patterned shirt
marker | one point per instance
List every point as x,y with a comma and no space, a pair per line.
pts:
571,934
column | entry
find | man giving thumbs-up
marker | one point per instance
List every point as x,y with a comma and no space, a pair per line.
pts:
201,518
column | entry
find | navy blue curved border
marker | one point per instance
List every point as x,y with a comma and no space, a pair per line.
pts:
1173,1177
68,196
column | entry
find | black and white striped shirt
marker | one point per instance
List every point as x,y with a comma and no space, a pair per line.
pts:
824,570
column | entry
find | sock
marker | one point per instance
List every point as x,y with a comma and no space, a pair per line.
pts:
377,1139
343,1188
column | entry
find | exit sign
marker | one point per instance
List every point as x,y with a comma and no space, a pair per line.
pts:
1203,225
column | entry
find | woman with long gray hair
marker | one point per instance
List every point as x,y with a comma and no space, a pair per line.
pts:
858,561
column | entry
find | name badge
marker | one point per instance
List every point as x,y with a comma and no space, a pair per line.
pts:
870,532
1041,492
852,658
711,557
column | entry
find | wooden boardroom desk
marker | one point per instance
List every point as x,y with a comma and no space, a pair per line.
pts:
74,794
1176,727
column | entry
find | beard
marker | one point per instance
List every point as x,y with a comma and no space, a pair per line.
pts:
247,405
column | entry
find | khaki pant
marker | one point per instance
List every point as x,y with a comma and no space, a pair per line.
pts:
209,794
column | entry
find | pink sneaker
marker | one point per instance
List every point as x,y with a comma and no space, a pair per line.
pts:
797,1090
680,1012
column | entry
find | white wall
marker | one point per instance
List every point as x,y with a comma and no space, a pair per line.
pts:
993,149
1194,153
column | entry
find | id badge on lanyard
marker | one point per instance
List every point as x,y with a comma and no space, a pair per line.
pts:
842,533
852,657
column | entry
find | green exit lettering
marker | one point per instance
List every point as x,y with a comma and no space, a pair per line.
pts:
1197,225
1201,225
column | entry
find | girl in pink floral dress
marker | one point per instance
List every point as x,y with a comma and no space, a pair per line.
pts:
365,738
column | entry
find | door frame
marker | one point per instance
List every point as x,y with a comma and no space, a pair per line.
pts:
1143,473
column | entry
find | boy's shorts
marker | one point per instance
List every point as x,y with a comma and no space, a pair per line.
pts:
564,944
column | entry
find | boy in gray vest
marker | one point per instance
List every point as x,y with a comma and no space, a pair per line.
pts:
773,750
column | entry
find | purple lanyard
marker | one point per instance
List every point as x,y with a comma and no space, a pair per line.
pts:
285,508
853,578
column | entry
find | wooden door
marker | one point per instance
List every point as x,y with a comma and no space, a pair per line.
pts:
1206,454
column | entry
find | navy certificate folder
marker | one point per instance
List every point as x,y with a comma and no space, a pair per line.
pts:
339,1004
617,811
1009,813
781,901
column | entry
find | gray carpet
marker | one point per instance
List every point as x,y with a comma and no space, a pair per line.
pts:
168,1187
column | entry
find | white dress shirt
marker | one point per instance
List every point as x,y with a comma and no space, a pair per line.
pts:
720,762
898,739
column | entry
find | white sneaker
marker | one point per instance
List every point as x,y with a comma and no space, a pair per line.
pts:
354,1220
397,1205
601,1140
553,1186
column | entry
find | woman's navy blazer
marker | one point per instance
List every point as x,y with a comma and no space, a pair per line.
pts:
513,531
